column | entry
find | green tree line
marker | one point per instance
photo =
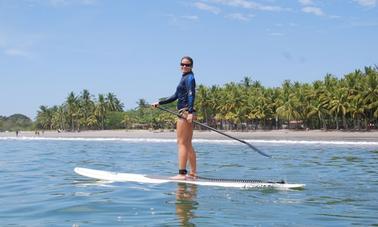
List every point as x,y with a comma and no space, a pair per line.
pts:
349,103
15,122
82,111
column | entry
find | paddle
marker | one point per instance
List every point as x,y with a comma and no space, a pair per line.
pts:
215,130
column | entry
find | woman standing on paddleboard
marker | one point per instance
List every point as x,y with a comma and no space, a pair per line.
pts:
185,94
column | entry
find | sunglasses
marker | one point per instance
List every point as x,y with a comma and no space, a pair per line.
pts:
186,65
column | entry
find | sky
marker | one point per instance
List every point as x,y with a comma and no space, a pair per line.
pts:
133,48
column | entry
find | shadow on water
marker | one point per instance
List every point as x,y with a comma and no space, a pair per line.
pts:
186,203
346,158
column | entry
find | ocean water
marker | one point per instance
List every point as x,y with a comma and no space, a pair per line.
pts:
39,188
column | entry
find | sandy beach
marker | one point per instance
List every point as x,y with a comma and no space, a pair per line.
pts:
371,136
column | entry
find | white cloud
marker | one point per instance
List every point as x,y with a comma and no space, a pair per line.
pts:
239,16
19,44
306,2
178,20
16,53
249,5
367,3
276,34
313,10
193,17
58,2
335,17
88,2
206,7
62,3
2,41
364,24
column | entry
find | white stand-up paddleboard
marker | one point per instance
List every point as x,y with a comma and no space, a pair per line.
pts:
141,178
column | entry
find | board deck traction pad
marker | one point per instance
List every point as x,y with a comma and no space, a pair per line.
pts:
238,180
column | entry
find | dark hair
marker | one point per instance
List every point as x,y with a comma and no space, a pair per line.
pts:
187,58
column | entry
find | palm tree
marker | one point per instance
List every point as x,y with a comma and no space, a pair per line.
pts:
288,109
318,108
92,120
59,118
86,106
338,104
142,108
246,82
231,106
127,120
112,103
214,98
202,103
319,104
101,110
357,110
356,88
370,94
72,106
44,117
142,104
271,95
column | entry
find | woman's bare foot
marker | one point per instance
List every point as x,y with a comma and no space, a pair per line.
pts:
193,176
179,177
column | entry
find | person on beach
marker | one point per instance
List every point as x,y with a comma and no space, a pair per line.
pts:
185,94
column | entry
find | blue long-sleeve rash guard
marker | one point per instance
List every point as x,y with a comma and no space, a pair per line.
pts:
185,93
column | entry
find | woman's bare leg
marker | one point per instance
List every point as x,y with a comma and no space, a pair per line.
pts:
192,157
182,149
185,148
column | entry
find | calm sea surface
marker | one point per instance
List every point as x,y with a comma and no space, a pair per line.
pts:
39,188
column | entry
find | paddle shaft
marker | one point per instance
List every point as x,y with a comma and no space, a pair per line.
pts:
215,130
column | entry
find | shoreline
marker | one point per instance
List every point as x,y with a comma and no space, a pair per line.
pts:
312,135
